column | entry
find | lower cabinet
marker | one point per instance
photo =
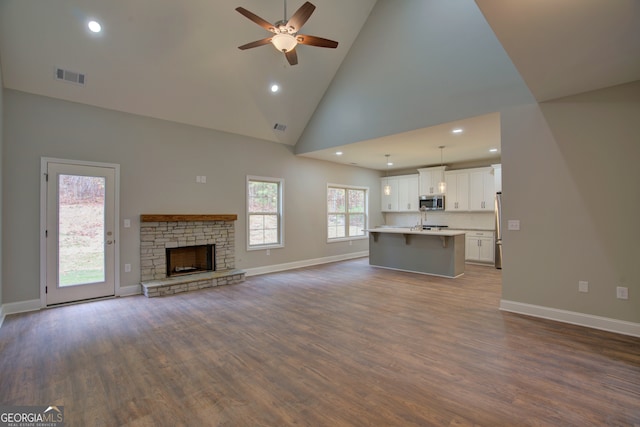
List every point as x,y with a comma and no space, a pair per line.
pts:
480,246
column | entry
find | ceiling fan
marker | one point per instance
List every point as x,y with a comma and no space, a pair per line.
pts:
286,36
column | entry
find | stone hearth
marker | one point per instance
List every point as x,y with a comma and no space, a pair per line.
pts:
159,232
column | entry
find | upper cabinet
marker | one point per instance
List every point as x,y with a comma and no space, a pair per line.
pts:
429,180
472,190
389,201
482,190
403,196
497,176
457,196
468,190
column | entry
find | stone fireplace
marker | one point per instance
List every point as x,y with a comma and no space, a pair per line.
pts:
181,253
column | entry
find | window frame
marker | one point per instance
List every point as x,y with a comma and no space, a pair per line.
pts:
366,213
280,213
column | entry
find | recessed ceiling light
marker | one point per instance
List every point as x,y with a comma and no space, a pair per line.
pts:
458,130
493,150
389,163
94,26
338,153
275,88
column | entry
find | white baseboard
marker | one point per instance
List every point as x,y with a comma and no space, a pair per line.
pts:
572,317
127,291
304,263
18,307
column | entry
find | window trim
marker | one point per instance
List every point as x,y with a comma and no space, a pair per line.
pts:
366,213
280,182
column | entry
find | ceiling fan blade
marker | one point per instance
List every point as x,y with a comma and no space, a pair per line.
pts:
255,44
300,17
316,41
292,57
255,18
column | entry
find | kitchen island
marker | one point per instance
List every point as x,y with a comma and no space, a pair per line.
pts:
435,252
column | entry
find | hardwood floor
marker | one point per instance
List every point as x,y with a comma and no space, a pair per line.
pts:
343,344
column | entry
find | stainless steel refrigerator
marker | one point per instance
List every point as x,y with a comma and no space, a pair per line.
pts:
498,257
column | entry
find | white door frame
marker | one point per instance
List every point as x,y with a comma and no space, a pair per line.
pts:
43,220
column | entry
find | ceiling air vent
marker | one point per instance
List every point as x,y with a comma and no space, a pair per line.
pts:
70,76
280,127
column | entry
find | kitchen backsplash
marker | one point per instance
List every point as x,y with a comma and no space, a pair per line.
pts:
461,221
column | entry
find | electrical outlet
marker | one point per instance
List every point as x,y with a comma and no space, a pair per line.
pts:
127,268
583,286
622,292
268,251
127,223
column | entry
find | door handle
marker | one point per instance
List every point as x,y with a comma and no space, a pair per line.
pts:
109,242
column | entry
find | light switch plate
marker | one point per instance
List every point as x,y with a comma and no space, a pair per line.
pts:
513,224
127,223
583,286
622,292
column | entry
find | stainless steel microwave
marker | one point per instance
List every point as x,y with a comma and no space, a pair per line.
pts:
431,203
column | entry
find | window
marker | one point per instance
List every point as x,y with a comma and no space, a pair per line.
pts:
264,212
346,212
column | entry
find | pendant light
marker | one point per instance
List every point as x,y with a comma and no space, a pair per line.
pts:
387,188
442,185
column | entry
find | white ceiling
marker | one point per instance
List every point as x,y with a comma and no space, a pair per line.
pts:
420,148
179,61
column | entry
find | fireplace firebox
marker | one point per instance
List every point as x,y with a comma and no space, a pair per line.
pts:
190,259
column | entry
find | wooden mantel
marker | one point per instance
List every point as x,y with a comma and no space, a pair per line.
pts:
184,218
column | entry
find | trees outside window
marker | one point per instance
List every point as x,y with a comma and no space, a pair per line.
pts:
264,212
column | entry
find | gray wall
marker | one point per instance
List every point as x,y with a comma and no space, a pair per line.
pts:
1,174
440,62
571,175
159,161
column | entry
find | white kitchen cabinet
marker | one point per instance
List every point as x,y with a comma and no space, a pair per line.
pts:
481,189
457,195
480,246
408,193
389,203
429,180
497,177
404,193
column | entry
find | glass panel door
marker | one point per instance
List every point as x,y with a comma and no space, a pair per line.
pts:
80,240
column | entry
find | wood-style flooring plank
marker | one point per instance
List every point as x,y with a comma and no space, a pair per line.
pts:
343,344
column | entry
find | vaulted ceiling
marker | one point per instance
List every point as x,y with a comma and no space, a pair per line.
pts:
180,61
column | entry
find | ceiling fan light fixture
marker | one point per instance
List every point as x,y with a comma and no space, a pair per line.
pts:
284,42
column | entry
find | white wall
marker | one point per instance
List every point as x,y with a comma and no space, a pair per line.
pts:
159,161
571,175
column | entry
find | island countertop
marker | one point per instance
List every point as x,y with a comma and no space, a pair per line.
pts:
407,230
